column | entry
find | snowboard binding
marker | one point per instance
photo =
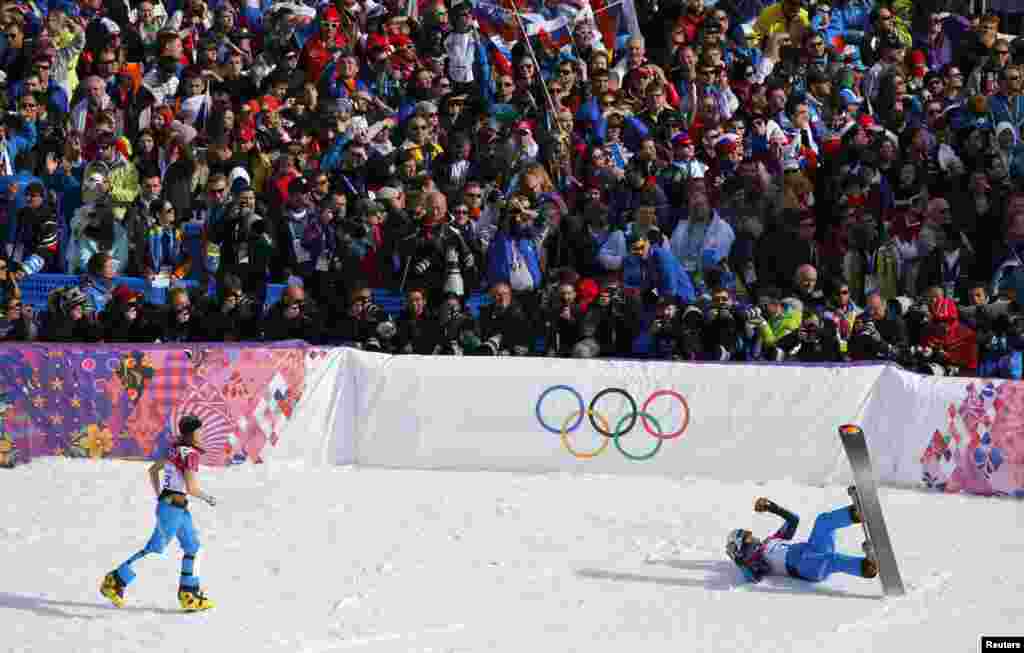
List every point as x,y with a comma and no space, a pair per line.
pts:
113,589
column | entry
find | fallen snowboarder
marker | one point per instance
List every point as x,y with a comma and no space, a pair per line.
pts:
812,561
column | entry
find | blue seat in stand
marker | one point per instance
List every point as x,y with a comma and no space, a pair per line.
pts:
35,289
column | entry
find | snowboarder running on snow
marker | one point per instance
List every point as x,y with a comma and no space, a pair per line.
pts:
173,519
813,560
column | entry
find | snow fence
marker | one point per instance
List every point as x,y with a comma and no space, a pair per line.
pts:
337,406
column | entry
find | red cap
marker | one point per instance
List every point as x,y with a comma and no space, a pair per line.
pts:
123,294
866,121
331,15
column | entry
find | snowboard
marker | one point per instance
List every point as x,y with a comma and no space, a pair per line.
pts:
873,521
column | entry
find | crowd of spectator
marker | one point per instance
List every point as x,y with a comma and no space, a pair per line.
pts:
736,180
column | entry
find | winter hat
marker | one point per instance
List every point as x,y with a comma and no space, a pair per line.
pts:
125,295
189,424
70,298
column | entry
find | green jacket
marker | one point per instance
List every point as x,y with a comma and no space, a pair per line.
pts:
774,328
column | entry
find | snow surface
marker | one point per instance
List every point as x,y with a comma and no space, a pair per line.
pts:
319,560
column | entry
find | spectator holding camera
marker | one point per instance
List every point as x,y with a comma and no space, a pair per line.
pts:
236,317
770,321
69,317
435,255
813,342
17,323
723,328
563,322
878,333
361,325
182,321
124,320
418,332
293,318
504,326
953,344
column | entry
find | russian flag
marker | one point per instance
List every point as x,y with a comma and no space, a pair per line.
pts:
616,21
553,34
495,20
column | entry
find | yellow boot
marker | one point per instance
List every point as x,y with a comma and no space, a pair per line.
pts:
113,589
192,599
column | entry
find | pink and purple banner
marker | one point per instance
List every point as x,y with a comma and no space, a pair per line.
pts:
121,401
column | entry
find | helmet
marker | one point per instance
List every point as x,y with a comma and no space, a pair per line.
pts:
736,546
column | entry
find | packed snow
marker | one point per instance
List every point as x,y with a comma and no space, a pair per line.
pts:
340,559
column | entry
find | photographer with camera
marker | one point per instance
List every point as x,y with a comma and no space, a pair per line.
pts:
294,317
418,331
236,316
239,240
458,330
563,322
813,342
723,327
666,330
435,255
948,344
878,333
770,321
609,325
504,327
365,325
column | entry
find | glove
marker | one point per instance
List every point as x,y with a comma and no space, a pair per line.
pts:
422,266
210,501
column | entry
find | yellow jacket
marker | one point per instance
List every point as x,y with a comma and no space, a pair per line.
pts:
772,20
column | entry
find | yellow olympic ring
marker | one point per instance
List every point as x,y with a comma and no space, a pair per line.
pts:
583,455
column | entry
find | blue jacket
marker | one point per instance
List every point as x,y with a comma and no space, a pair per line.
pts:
852,18
21,141
499,256
660,271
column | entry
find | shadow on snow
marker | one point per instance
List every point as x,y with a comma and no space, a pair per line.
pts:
51,608
722,576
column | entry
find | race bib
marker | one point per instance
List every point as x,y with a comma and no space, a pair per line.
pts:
323,263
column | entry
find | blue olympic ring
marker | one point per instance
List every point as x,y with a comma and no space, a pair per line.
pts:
579,400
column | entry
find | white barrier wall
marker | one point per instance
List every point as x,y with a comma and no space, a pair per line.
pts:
741,422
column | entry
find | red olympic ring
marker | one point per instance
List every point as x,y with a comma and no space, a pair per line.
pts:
666,393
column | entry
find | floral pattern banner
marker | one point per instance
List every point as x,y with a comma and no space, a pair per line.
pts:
980,449
112,401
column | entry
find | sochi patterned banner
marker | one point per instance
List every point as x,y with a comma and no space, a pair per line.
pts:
947,434
85,401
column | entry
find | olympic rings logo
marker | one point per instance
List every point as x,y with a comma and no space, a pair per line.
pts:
623,426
